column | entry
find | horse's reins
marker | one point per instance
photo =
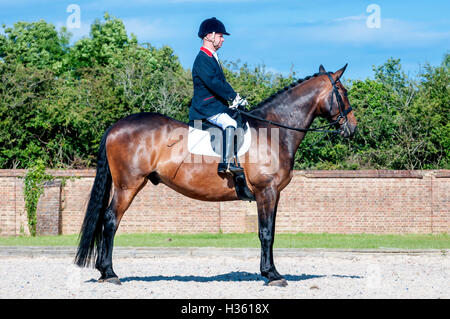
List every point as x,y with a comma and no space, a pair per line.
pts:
342,114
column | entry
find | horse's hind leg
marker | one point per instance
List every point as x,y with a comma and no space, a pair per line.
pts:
104,259
121,201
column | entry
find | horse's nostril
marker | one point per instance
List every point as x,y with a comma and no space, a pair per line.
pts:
348,130
352,130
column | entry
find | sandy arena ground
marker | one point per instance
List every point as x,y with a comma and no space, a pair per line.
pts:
347,275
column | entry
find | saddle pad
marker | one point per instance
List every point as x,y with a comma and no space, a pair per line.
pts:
199,142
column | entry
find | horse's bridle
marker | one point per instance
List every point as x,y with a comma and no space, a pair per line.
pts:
342,111
342,114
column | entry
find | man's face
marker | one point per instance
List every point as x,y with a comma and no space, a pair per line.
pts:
217,40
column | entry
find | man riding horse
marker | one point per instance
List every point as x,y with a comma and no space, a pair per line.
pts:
212,92
139,148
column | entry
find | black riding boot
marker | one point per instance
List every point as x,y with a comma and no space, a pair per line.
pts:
227,165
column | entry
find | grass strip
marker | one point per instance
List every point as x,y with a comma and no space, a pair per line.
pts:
299,240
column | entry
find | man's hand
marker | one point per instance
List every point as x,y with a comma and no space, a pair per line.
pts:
238,101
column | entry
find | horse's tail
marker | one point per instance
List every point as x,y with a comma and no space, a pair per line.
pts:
91,230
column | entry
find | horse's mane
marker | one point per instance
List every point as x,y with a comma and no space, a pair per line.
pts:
286,88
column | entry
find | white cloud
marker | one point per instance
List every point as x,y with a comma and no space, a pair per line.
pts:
351,18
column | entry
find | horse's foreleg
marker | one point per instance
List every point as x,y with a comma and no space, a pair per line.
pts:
119,204
267,202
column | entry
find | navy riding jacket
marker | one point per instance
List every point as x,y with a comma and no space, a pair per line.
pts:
212,92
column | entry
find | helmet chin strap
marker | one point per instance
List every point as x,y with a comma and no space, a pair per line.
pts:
216,46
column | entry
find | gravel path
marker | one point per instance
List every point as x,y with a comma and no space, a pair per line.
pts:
333,275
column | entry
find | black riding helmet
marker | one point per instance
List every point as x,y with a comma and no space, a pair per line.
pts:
211,25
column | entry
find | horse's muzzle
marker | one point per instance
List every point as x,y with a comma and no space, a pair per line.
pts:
347,129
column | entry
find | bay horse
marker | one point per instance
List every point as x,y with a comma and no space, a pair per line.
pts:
141,147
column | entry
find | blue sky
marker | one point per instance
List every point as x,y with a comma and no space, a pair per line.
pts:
279,34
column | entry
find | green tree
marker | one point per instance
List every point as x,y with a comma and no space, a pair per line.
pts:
428,120
60,117
255,84
22,90
106,39
35,44
151,80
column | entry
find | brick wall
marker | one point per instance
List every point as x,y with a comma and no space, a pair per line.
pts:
13,218
48,211
315,201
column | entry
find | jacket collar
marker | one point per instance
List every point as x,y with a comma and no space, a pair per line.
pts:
209,53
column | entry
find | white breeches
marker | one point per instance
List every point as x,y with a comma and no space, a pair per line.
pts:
223,120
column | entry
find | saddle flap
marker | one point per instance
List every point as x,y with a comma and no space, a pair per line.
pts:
209,142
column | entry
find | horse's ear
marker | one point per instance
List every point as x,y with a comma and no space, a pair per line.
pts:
337,75
322,69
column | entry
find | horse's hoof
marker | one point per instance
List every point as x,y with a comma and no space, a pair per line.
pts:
112,280
278,283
